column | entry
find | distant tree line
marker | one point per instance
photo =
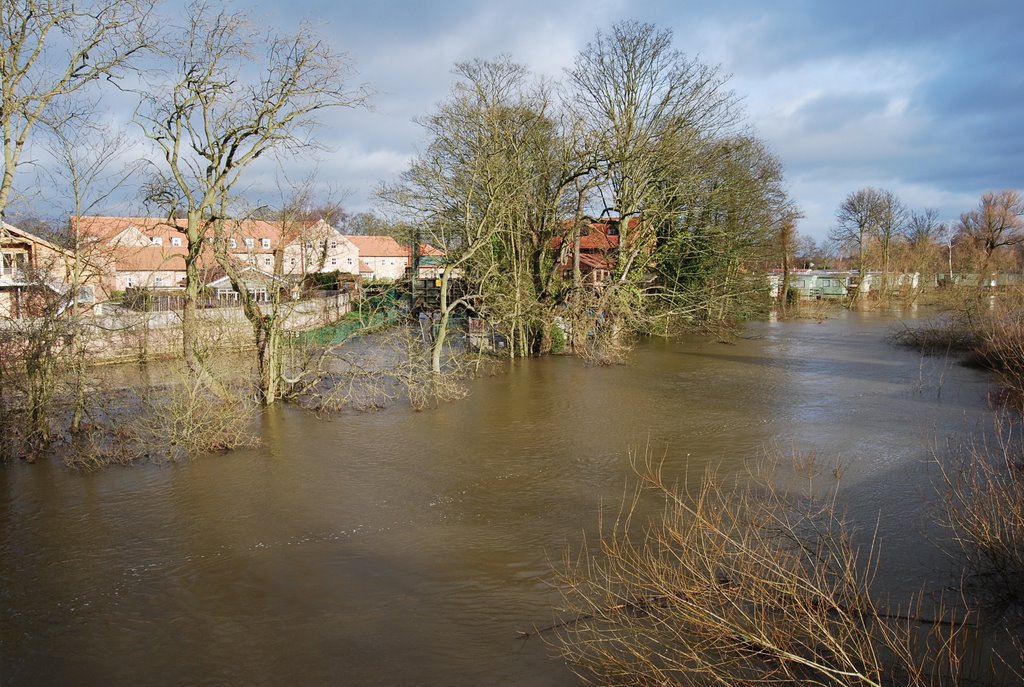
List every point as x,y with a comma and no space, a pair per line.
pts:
879,232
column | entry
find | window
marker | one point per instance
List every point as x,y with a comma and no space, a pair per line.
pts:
334,244
350,261
268,261
249,243
14,264
232,243
176,241
293,262
265,243
334,262
129,281
158,282
157,240
86,294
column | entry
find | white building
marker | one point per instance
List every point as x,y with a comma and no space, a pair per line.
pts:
381,257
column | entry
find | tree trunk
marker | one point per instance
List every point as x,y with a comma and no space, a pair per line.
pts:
784,296
268,361
190,321
442,326
577,275
190,324
884,294
857,293
77,350
78,372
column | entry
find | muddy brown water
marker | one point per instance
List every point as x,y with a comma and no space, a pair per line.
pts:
405,548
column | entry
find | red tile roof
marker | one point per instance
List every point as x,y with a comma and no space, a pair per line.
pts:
378,247
150,257
109,227
428,250
595,237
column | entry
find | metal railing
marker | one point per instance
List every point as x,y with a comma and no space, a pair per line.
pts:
158,302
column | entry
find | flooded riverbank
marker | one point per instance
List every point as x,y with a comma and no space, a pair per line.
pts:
409,548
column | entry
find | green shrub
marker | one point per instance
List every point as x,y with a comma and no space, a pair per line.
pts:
557,338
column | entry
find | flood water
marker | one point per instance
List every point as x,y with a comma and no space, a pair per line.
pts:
404,548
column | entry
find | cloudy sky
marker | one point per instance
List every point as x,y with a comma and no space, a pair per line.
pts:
925,97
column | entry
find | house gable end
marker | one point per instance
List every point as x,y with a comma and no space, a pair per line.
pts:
129,237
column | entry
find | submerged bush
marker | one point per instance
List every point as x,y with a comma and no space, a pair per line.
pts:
938,337
1001,348
988,328
741,585
185,419
983,506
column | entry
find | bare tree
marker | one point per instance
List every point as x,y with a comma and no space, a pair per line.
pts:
856,221
923,227
88,155
648,107
924,235
997,222
32,354
807,252
48,349
52,49
694,198
371,224
892,217
230,96
487,192
300,225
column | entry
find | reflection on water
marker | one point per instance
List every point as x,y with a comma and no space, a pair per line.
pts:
409,548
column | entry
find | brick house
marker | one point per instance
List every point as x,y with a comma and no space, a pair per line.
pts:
150,252
32,269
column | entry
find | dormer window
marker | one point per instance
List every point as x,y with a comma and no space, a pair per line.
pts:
232,243
249,243
265,243
176,241
157,241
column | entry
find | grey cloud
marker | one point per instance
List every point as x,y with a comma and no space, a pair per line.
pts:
944,126
833,112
